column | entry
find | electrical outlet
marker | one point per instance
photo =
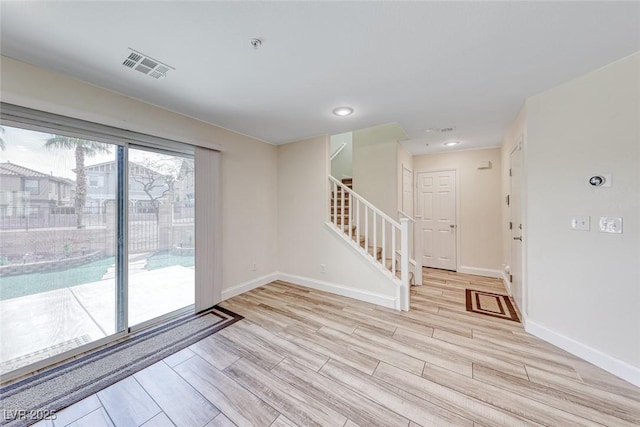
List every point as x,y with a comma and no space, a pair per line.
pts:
254,266
611,225
323,268
581,223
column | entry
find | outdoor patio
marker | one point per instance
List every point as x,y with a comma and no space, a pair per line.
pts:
37,326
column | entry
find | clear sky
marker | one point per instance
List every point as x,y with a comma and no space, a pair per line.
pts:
26,148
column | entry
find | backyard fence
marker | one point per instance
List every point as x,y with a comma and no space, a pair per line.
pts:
29,217
52,232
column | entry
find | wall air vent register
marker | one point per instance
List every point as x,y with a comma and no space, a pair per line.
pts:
146,65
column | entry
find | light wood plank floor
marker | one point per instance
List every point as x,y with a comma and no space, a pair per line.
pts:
304,357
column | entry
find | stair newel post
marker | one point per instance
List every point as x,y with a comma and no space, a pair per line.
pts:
334,203
384,242
366,229
374,248
404,263
350,216
393,250
342,206
358,220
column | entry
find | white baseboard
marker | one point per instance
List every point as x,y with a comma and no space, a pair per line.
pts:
507,283
345,291
477,271
248,285
610,364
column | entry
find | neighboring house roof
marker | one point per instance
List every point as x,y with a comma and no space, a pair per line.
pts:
12,169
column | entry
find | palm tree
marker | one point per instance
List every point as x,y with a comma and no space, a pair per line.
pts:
83,148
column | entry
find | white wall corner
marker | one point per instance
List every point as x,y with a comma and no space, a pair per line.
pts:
248,285
507,283
345,291
610,364
478,271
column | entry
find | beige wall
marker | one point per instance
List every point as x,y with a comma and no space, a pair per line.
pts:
342,163
374,173
249,174
480,196
375,166
405,159
304,241
586,285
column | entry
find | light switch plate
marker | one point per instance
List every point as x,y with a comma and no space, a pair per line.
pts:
609,224
581,223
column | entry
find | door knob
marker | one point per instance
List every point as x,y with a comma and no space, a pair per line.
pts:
451,225
518,238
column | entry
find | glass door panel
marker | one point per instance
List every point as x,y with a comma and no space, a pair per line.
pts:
160,234
58,244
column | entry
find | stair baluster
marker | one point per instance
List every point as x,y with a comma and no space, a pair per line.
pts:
342,217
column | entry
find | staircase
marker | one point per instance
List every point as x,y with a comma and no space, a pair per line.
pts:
379,237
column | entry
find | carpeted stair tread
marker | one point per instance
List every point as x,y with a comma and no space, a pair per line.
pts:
345,228
388,264
340,202
339,221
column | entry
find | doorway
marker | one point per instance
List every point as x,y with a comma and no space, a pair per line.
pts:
515,211
436,216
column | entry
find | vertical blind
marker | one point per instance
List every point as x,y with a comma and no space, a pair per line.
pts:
208,228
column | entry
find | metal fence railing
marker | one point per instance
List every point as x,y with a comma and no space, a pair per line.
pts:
28,217
183,214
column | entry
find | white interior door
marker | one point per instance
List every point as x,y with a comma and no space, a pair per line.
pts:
436,215
515,208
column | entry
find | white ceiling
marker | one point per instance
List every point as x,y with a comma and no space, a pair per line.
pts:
421,64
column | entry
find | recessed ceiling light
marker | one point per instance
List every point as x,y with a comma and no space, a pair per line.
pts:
430,130
451,143
343,111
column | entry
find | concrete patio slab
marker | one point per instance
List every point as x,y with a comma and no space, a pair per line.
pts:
37,326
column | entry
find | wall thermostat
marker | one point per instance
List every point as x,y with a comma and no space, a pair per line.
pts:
602,180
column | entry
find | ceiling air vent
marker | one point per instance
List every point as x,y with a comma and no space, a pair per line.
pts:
146,65
449,129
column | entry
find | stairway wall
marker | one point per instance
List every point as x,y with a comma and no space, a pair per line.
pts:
374,168
305,241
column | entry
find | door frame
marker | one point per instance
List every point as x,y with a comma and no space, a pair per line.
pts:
418,229
520,145
413,191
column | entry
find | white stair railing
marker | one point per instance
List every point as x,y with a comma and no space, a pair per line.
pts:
381,235
338,150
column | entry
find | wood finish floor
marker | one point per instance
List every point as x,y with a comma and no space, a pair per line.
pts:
304,357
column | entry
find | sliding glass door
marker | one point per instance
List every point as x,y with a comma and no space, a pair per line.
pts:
58,245
161,234
96,238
